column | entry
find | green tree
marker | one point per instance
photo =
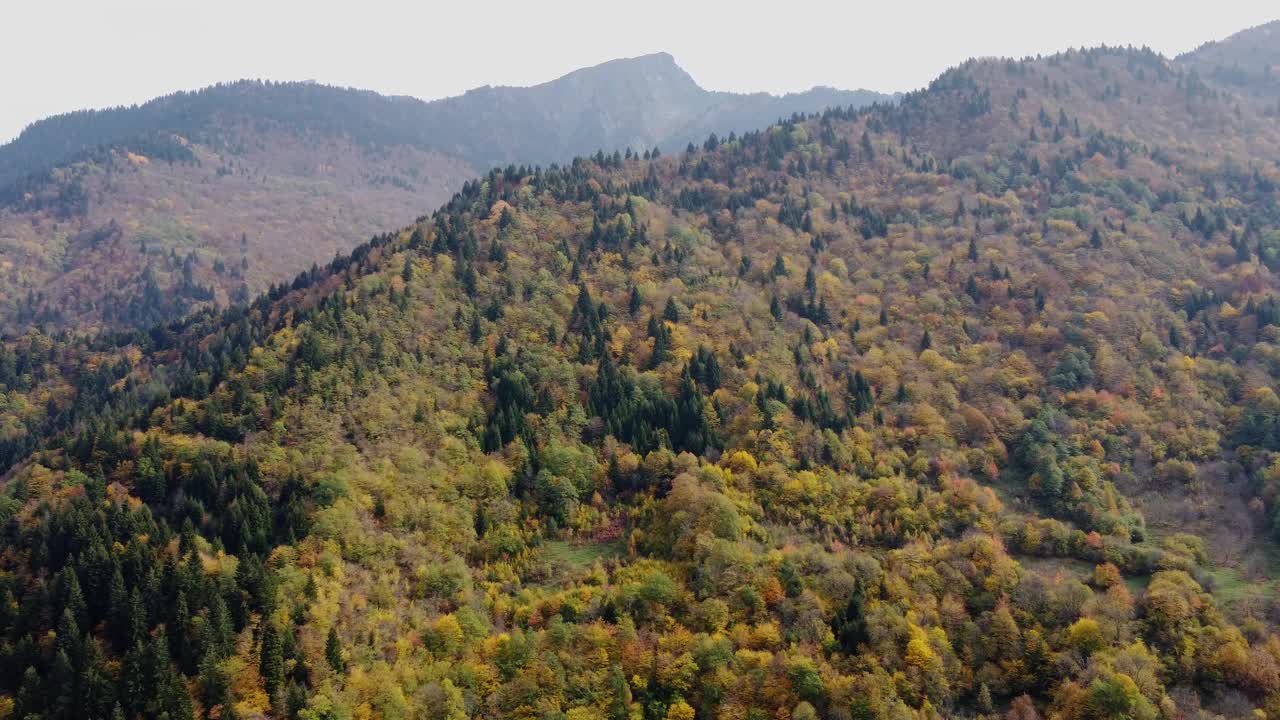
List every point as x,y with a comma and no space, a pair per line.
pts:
271,659
671,312
333,651
1073,371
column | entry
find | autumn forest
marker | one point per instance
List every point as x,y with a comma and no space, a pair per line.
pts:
957,405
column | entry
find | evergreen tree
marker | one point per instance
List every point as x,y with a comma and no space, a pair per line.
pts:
661,335
849,624
95,691
271,659
74,598
633,303
68,632
30,700
214,682
671,312
333,651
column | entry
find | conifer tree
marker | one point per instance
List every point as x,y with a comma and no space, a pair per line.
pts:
671,312
633,303
333,651
271,659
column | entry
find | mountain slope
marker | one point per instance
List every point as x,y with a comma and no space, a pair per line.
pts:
1248,61
865,415
132,216
131,238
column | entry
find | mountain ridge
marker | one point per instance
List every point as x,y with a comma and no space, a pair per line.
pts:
670,73
84,195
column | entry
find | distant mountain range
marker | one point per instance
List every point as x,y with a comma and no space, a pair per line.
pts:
644,102
640,102
135,215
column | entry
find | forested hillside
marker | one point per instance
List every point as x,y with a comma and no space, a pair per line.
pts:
147,231
128,217
1248,61
964,407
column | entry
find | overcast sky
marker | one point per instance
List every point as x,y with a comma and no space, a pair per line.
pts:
61,55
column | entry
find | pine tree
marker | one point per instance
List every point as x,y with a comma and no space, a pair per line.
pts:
849,624
661,335
295,700
74,598
62,682
972,290
633,304
860,393
214,682
671,312
220,634
95,689
183,646
174,697
30,700
68,632
271,659
333,651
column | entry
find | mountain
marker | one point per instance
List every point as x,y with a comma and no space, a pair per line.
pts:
133,216
641,102
959,407
1248,61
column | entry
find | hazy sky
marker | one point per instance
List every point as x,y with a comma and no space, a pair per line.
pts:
61,55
